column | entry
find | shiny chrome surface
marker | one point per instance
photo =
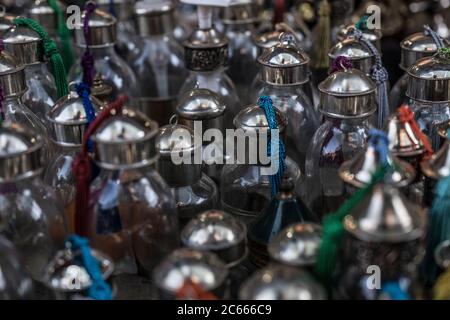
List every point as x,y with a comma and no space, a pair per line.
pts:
122,8
416,47
438,166
41,12
402,139
244,13
385,215
154,18
200,104
24,44
125,141
253,118
296,245
12,75
373,35
280,282
102,30
21,153
206,39
218,232
356,51
348,94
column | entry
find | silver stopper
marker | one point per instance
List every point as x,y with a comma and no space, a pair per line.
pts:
154,18
242,13
253,118
284,64
373,35
102,30
126,141
356,51
438,166
385,215
296,245
123,9
403,142
41,12
24,44
12,75
280,282
348,94
218,232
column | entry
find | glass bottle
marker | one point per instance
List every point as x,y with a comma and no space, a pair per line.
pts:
348,99
193,190
284,72
108,65
245,188
26,46
67,121
384,230
159,63
36,224
239,23
219,232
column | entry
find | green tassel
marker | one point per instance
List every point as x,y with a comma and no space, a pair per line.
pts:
333,229
51,52
323,37
64,36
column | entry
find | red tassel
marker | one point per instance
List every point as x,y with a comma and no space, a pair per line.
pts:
278,11
405,114
82,169
193,291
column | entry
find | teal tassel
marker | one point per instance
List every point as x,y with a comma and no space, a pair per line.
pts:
393,290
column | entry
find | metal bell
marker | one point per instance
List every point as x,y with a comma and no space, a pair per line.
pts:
356,51
416,47
296,245
204,269
348,94
218,232
101,31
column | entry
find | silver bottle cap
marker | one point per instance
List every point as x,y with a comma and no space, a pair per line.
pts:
183,265
385,215
403,142
21,153
102,30
41,12
126,141
429,79
280,282
349,93
178,140
438,166
68,120
24,44
373,35
243,13
253,118
284,63
356,51
296,245
154,18
12,75
218,232
123,9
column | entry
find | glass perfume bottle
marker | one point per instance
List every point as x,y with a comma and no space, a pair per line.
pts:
193,190
113,70
36,223
159,63
347,101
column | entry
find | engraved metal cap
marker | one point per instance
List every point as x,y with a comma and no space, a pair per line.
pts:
24,44
284,63
68,120
438,166
41,12
126,141
403,142
182,265
218,232
296,245
12,75
429,79
385,215
416,47
5,23
154,18
354,50
122,9
176,139
102,30
348,94
21,153
66,273
253,118
200,104
242,13
281,282
373,35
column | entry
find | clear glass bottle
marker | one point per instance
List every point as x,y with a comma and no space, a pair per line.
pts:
36,223
341,136
112,69
159,63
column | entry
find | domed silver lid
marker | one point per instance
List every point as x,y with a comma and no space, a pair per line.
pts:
21,153
438,166
356,51
416,47
12,75
24,44
5,23
44,14
296,245
154,18
102,30
403,142
178,140
200,104
123,9
66,273
68,120
125,141
385,215
241,13
187,265
253,118
429,78
280,282
348,94
284,63
373,35
267,40
218,232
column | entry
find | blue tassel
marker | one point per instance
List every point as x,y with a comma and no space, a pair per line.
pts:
84,92
380,142
99,290
436,38
111,8
394,291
